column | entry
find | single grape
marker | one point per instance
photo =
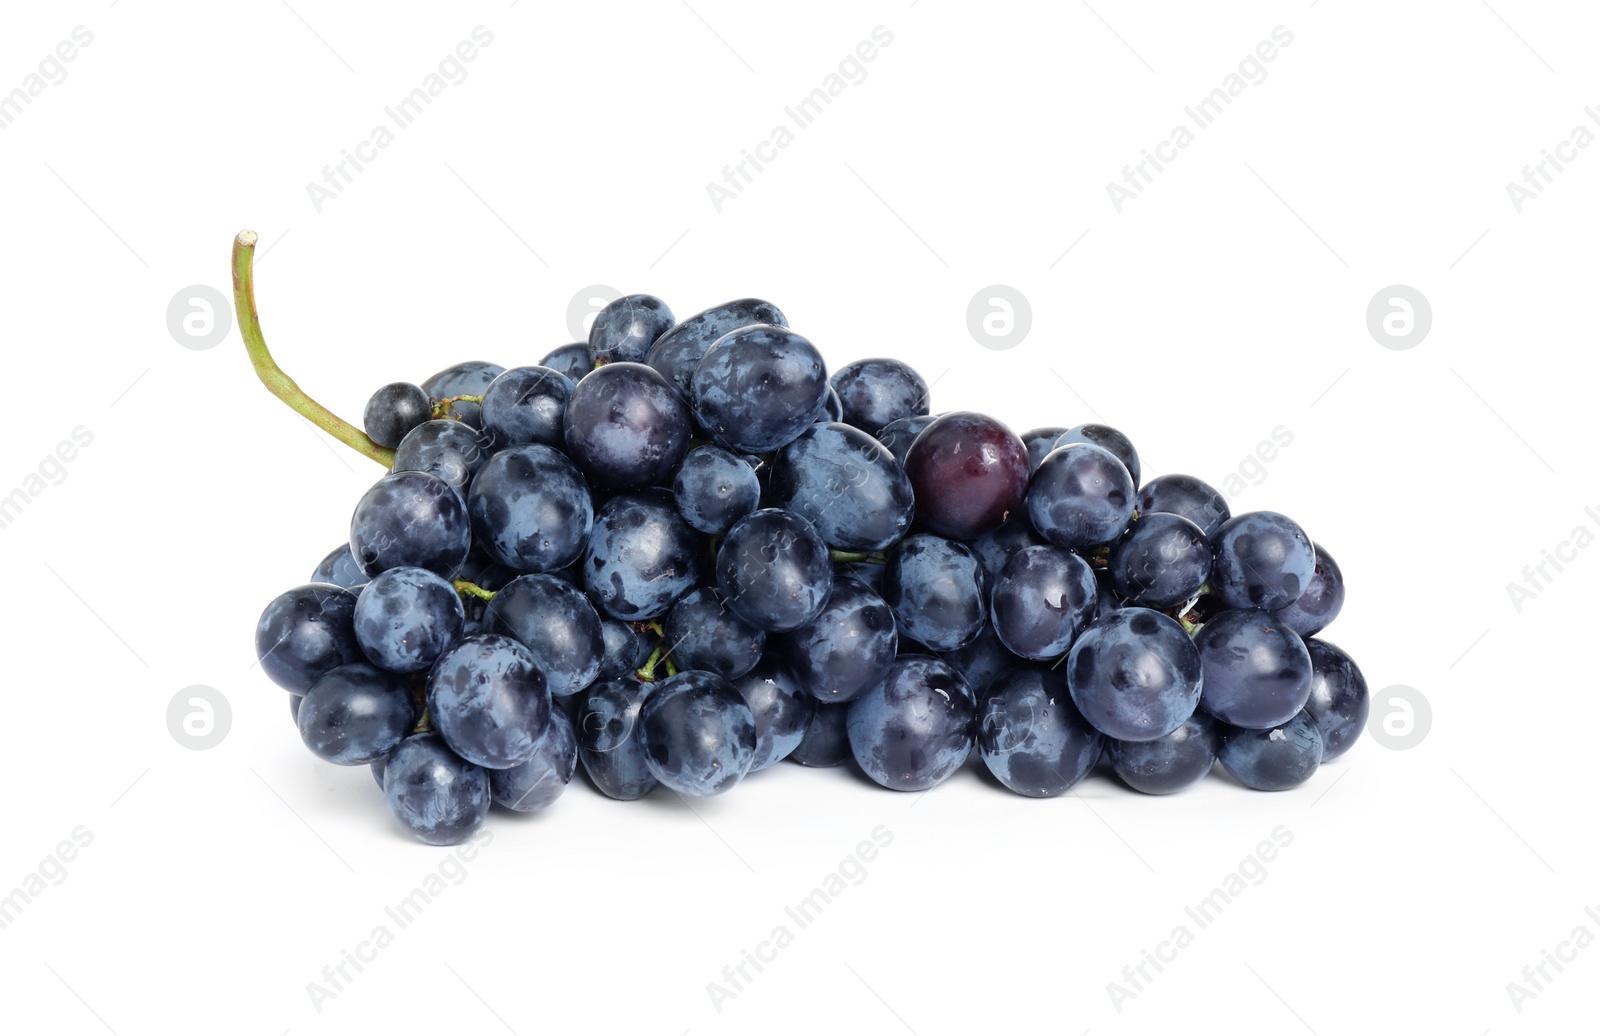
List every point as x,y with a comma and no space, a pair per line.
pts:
406,617
1039,442
464,379
846,484
1043,599
914,728
897,436
1160,562
527,404
825,741
530,509
531,786
1319,605
1108,439
1257,670
340,569
626,649
440,797
641,556
1187,497
453,450
1262,560
1134,674
774,571
625,329
1169,763
354,714
1338,702
1031,736
970,474
677,353
1276,759
714,488
608,738
876,392
555,621
935,587
305,633
758,387
703,633
573,360
698,733
782,710
626,426
1081,496
410,518
487,698
393,411
847,648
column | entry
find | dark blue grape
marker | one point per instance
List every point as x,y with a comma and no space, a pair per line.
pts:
1187,497
935,587
1257,670
573,360
969,473
847,648
406,617
355,714
527,404
983,661
1160,562
305,633
555,621
626,426
782,710
846,484
608,738
641,556
1032,738
1262,560
1081,496
1042,600
1134,674
897,436
530,509
677,353
914,728
535,784
698,733
1276,759
393,411
625,329
715,488
626,649
440,797
775,572
488,700
410,518
1108,439
1170,763
703,633
995,548
1039,442
758,387
1338,701
340,569
453,450
877,392
826,740
1322,600
464,379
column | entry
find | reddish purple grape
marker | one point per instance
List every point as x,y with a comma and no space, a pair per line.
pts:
969,473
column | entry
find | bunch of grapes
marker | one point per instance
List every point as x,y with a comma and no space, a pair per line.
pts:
681,552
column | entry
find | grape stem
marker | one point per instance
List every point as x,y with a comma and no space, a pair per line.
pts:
471,589
272,376
446,409
876,557
647,672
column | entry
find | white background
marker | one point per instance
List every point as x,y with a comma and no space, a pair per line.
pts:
1227,300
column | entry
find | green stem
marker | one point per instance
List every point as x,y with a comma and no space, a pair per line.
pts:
445,409
272,376
647,672
876,557
471,589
